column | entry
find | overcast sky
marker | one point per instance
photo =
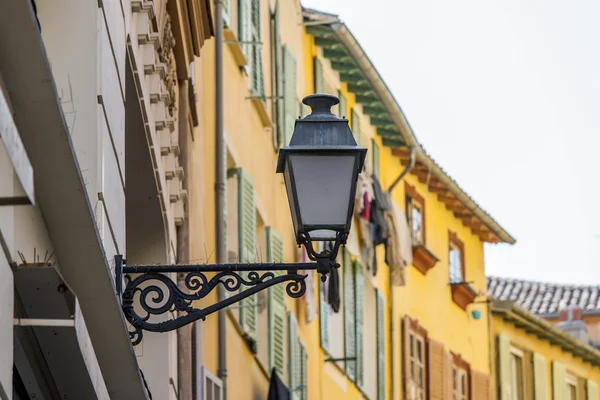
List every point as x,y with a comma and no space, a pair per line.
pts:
505,95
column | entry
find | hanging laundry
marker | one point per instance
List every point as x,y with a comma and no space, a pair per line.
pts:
398,247
364,196
379,206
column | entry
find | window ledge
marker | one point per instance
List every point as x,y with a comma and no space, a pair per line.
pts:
261,108
462,294
423,258
235,47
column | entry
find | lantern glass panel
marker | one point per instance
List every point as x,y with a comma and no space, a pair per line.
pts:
323,185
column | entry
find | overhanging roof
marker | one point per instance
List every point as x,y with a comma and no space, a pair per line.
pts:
62,196
531,323
356,69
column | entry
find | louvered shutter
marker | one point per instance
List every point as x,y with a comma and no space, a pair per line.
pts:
540,381
437,370
406,356
323,317
290,96
375,155
244,11
303,372
381,372
247,245
480,386
559,380
255,49
227,13
360,323
278,107
349,315
356,126
591,389
319,84
276,306
504,375
294,358
343,107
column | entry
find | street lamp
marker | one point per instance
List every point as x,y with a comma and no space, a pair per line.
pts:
320,167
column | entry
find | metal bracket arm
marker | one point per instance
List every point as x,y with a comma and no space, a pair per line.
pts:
155,293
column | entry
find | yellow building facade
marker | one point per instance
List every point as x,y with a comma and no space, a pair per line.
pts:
536,360
412,321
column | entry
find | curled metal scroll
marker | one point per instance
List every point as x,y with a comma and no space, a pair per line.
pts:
156,294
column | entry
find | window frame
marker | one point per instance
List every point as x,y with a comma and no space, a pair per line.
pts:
460,369
454,243
571,383
415,200
414,330
515,383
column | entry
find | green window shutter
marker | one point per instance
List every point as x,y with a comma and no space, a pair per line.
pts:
276,306
303,372
559,380
591,389
380,346
277,75
294,357
504,367
227,12
360,322
319,83
356,126
349,315
375,155
539,377
323,317
247,245
244,25
256,70
343,107
290,95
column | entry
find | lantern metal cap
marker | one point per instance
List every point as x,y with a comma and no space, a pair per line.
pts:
321,131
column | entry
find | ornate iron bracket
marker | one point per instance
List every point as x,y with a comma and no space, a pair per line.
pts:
156,293
153,293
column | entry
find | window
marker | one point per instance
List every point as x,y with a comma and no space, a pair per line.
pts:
571,388
355,126
517,373
375,159
456,259
460,378
297,362
213,386
415,211
415,338
289,94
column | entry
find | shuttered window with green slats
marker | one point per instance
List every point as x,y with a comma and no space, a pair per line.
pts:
256,68
559,380
323,317
244,23
355,126
539,377
276,306
227,13
247,245
591,389
319,84
360,323
350,316
380,346
277,66
504,373
290,95
375,158
297,357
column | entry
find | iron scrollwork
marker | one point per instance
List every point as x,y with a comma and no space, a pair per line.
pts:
156,294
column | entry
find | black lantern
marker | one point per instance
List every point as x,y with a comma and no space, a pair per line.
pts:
321,166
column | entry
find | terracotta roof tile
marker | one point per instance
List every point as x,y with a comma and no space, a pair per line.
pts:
545,299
